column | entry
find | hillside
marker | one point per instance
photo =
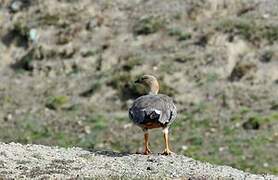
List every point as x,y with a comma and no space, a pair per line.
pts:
67,69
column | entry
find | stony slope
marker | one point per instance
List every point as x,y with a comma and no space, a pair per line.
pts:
37,161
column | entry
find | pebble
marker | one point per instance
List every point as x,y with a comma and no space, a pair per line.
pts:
33,35
8,117
16,6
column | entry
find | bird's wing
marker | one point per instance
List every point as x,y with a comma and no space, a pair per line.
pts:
150,108
141,116
169,110
143,110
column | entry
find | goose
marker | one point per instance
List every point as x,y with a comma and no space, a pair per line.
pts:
153,111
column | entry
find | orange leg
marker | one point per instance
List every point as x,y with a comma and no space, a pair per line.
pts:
167,150
146,143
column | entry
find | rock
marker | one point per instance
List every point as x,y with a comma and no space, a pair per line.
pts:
33,35
241,69
251,123
92,24
8,117
16,6
38,161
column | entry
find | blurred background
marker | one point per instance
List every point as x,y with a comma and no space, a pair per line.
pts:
67,69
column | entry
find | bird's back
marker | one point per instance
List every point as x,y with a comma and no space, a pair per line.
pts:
158,109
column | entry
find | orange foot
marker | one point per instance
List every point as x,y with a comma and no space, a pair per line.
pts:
147,151
167,152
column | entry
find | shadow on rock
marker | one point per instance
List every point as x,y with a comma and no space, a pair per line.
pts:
111,153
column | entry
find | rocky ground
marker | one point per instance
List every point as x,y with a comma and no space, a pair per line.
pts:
67,67
42,162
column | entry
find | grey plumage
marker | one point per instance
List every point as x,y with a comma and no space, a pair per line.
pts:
153,111
150,108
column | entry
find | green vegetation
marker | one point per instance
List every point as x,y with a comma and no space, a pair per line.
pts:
90,53
96,85
181,36
267,56
96,125
167,68
224,145
56,102
131,62
183,58
125,86
212,77
241,69
177,16
256,121
166,89
148,25
97,122
20,26
194,134
249,29
25,63
50,19
32,130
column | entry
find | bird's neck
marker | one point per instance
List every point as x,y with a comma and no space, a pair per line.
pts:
154,88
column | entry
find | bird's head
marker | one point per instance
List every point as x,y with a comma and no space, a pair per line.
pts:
149,82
